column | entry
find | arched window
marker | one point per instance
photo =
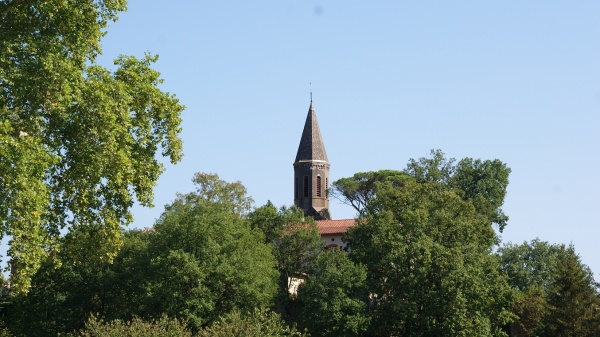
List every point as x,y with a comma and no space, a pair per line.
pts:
319,186
305,186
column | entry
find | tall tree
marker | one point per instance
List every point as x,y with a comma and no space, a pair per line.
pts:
200,261
573,298
424,235
334,298
482,182
295,240
78,143
530,264
556,293
429,263
207,260
437,168
357,191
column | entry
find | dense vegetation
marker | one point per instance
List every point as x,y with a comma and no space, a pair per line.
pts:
423,260
77,148
78,142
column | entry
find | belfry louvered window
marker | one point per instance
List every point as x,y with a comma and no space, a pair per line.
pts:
319,186
305,186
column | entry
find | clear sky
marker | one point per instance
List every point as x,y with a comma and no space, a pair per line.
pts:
514,80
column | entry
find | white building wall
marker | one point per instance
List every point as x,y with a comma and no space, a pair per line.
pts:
329,239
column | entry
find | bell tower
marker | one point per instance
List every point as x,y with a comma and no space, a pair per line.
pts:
311,171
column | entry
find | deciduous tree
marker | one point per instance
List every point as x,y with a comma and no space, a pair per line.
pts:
430,268
257,323
78,142
483,182
200,261
334,298
295,240
358,190
556,293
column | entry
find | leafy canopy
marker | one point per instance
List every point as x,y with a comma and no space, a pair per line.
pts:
199,262
425,237
483,183
78,142
430,271
334,297
556,294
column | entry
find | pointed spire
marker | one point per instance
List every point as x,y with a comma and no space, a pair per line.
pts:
311,146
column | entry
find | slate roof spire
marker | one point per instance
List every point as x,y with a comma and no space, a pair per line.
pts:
311,146
311,171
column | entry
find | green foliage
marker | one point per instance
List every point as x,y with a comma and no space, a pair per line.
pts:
60,299
295,240
210,189
272,221
529,265
78,142
206,259
297,249
573,299
428,255
358,190
163,327
257,323
436,169
425,237
334,298
530,307
200,261
483,183
556,294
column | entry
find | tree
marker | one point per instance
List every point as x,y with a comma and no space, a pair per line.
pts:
484,183
200,261
163,327
358,190
574,299
78,142
206,260
295,241
435,169
60,300
430,271
529,265
334,298
481,182
257,323
530,307
556,293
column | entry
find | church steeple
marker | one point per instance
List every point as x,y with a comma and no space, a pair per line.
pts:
311,171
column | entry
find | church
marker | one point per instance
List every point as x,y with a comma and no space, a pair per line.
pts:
311,181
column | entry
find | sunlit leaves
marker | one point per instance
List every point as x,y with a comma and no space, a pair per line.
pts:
77,141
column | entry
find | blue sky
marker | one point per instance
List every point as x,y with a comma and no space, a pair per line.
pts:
513,80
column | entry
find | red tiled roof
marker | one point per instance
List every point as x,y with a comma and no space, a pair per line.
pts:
335,226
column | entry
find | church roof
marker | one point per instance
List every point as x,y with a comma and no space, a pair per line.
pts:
311,144
335,226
